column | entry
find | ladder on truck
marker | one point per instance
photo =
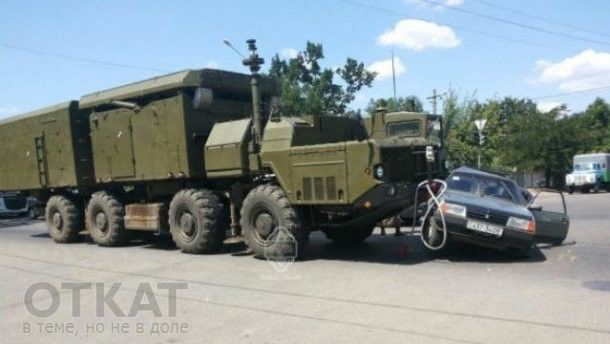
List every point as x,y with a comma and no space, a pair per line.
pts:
41,159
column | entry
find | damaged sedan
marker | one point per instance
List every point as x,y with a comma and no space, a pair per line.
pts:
490,210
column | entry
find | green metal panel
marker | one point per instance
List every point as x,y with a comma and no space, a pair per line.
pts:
111,139
226,148
45,148
319,173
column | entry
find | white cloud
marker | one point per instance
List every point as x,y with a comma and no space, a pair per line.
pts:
589,69
288,53
548,106
211,64
384,68
419,35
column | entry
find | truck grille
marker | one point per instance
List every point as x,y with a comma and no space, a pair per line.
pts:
15,203
483,216
407,164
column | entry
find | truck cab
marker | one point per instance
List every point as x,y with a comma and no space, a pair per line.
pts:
590,172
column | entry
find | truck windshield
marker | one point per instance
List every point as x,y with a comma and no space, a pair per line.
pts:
435,129
406,128
586,166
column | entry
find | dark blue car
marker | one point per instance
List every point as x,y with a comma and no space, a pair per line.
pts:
490,210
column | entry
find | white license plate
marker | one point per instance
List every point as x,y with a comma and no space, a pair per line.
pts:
484,227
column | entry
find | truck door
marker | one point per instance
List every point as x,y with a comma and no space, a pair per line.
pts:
552,220
111,139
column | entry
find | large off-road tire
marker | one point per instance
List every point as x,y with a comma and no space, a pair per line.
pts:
271,226
349,236
197,221
105,218
570,190
64,219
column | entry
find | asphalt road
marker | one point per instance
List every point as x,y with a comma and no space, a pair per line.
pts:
389,290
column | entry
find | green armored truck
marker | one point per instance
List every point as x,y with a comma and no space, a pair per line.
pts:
206,155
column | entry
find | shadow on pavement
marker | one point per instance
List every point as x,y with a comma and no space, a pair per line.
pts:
409,250
389,249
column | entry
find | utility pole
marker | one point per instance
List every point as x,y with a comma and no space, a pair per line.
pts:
393,76
433,100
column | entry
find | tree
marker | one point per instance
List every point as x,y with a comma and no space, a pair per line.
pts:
408,103
307,88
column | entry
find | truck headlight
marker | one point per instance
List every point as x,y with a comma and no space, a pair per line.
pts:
453,209
379,172
527,225
569,179
430,153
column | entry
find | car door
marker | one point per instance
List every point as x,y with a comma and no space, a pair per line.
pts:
552,221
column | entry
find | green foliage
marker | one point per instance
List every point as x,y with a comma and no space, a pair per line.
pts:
409,103
522,138
307,88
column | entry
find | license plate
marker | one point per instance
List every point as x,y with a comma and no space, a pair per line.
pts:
484,227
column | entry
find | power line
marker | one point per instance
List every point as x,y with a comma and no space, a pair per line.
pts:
557,95
550,21
514,23
80,59
483,33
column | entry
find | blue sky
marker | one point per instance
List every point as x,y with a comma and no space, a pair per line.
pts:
435,45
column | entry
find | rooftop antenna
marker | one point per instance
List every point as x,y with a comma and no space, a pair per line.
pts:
393,76
254,62
228,44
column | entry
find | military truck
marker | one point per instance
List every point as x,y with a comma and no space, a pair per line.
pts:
206,156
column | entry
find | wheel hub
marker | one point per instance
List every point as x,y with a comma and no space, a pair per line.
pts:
101,221
187,224
264,224
57,220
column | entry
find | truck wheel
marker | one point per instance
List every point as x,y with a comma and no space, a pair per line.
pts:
64,219
349,236
105,220
272,229
570,190
197,221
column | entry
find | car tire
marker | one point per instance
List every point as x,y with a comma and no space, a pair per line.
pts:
64,219
271,226
349,236
105,218
32,214
197,221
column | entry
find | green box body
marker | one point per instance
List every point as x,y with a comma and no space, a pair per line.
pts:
48,148
100,140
